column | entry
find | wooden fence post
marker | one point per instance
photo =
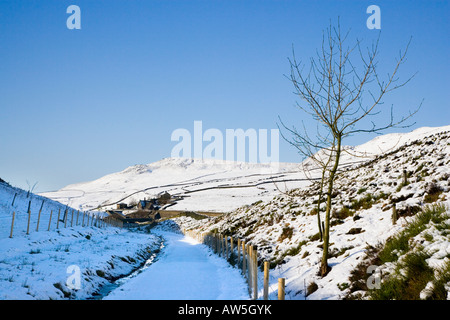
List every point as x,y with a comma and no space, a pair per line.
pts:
226,247
243,257
57,221
281,289
39,216
266,280
250,267
231,247
255,272
216,245
28,224
50,220
238,252
12,224
14,199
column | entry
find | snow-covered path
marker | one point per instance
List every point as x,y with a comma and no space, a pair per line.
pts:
185,270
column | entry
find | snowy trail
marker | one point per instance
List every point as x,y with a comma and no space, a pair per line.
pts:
185,270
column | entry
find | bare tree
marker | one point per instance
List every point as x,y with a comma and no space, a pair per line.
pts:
340,95
31,188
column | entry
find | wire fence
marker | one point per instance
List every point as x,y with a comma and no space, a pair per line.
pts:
242,255
46,219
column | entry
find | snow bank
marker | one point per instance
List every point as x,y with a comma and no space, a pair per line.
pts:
46,264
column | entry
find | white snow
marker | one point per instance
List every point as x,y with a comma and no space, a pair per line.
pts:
35,265
186,270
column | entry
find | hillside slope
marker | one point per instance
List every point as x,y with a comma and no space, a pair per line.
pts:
285,228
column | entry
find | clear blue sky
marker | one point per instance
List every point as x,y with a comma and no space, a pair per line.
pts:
78,104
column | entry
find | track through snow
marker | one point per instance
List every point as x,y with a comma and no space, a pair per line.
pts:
185,270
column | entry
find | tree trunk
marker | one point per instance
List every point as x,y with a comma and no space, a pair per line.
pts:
319,201
324,269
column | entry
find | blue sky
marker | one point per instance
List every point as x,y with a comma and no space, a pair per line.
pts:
78,104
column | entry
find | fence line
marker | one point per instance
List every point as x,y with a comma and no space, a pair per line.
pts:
244,256
93,220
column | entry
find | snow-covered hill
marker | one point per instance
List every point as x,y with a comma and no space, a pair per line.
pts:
285,228
211,185
208,185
